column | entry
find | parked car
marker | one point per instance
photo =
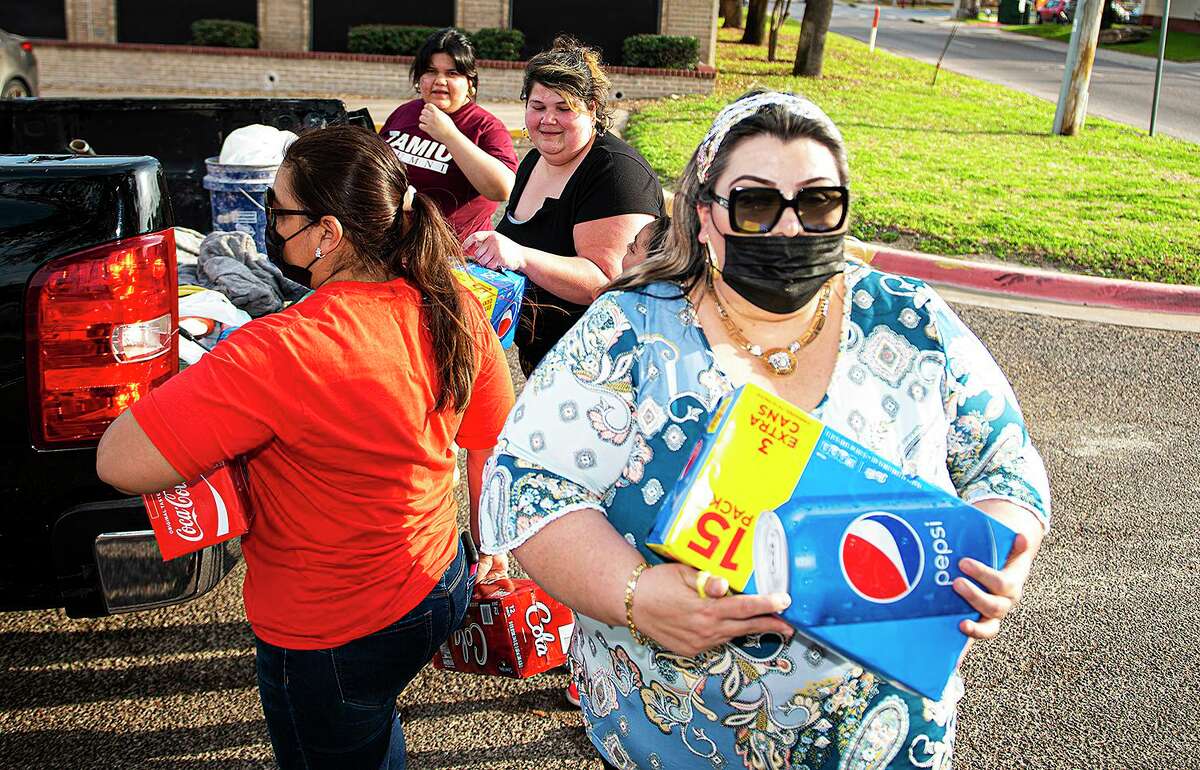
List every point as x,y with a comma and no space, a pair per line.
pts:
1056,11
88,303
18,67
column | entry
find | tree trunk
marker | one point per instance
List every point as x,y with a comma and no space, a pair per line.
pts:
756,23
731,10
968,9
1109,16
810,53
779,14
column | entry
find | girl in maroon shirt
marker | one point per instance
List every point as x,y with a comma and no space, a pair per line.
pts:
457,153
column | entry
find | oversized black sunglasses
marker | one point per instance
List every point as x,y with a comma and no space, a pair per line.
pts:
757,210
274,213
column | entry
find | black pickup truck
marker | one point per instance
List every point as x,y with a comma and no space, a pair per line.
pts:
88,313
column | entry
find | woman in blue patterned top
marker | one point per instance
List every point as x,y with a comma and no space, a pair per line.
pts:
751,286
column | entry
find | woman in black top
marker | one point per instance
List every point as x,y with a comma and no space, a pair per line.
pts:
581,195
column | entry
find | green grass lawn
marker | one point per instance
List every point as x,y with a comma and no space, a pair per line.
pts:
1181,46
966,167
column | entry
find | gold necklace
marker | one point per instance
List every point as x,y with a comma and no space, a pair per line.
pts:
780,362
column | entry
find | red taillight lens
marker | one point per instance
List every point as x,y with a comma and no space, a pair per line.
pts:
99,335
26,46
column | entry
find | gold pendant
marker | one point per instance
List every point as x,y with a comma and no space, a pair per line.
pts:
781,361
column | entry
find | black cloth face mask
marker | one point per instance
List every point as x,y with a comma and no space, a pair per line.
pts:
275,244
778,273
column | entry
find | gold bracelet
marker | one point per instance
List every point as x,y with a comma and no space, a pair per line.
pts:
630,587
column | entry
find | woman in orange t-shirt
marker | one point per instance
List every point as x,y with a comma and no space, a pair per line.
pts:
346,406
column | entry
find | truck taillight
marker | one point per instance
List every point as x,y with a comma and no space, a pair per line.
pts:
99,335
26,46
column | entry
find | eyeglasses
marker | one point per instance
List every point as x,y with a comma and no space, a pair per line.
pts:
274,213
757,210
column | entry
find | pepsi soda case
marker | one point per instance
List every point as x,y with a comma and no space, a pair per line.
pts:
500,293
774,501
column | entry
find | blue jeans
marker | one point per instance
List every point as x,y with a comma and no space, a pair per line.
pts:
336,708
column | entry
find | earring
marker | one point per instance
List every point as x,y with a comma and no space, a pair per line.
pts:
317,254
524,132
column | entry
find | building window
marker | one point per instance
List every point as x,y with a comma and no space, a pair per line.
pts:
153,21
34,18
604,25
332,19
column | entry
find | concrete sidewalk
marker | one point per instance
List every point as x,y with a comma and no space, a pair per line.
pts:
512,114
1024,289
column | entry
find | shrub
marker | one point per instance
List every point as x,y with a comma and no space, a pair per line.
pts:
677,52
388,39
224,33
501,44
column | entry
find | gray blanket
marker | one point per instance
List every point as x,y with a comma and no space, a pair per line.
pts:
229,263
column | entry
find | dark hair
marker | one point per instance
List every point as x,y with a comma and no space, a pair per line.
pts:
454,44
573,71
682,258
352,174
656,234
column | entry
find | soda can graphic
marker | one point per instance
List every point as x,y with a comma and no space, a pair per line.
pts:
770,555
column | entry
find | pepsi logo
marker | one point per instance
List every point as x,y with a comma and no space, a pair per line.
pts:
505,323
882,557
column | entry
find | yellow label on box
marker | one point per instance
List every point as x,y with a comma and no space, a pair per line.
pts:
753,455
483,291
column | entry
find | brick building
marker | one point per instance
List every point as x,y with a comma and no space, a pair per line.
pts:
142,46
321,25
1185,15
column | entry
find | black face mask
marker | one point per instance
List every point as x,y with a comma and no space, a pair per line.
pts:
781,274
275,243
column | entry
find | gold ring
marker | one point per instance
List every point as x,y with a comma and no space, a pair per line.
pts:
702,583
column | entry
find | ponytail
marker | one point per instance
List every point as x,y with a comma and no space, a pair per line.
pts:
423,249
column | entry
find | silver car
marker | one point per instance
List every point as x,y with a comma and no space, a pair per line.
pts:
18,67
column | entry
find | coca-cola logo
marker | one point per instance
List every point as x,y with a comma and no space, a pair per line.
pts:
536,617
187,527
473,644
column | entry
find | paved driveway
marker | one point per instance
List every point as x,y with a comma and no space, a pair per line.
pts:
1121,86
1099,669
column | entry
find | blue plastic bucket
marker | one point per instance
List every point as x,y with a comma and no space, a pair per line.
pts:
239,198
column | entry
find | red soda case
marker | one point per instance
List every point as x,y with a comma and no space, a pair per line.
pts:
512,628
196,514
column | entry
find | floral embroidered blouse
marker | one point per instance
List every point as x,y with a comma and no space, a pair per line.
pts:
608,420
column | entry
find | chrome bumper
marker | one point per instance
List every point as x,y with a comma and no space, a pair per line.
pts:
133,575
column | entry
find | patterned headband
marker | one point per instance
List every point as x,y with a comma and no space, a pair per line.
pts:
744,108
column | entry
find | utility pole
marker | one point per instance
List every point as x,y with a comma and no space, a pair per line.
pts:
1072,99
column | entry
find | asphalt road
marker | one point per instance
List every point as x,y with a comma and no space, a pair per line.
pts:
1098,669
1121,87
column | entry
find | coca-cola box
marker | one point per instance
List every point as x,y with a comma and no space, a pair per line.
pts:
196,514
512,628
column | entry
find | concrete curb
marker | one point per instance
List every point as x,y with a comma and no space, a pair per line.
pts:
1069,288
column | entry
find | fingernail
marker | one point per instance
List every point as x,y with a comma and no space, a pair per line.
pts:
783,601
